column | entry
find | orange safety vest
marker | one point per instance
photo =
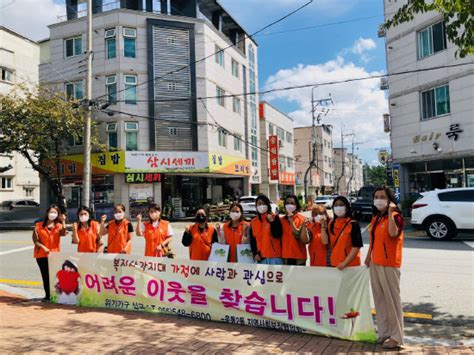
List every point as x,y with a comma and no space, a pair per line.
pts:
154,237
118,237
386,250
233,237
316,249
88,238
341,242
200,247
268,246
292,248
50,238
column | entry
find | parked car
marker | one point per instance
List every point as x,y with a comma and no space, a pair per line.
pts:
362,206
248,205
324,200
444,213
19,209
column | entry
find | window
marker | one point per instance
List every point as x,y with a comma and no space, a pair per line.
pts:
219,56
282,161
220,93
74,91
237,144
112,138
110,44
131,135
171,86
435,102
280,133
236,105
111,89
270,129
457,196
289,162
7,183
129,42
130,92
28,192
74,141
173,131
222,137
73,46
431,40
289,137
7,75
235,68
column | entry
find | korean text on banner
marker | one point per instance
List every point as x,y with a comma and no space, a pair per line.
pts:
323,301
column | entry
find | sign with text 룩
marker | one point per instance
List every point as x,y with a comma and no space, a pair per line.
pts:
323,301
139,178
158,161
273,163
226,164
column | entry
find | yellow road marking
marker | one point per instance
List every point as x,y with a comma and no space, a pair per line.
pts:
21,282
413,315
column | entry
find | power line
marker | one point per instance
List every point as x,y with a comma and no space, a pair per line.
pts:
219,51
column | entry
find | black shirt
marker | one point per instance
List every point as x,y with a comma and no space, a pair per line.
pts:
130,226
188,237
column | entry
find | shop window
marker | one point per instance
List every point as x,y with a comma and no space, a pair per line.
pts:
72,46
435,102
131,135
112,136
110,43
111,89
6,183
130,89
129,42
74,91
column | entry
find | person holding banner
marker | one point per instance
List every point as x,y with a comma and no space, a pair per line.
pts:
234,232
343,235
86,233
47,238
119,232
157,232
319,253
265,234
199,237
293,249
384,260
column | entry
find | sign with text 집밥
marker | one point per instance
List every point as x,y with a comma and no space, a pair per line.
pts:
323,301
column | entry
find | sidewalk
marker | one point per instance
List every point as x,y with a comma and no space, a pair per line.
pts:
31,326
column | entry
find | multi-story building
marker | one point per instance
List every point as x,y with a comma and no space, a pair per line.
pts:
431,111
273,122
321,178
168,71
19,60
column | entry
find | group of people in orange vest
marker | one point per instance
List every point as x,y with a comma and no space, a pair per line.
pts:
274,240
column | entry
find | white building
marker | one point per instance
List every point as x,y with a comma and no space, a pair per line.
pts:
19,60
320,179
148,65
273,122
432,112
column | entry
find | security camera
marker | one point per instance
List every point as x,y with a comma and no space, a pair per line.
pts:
412,151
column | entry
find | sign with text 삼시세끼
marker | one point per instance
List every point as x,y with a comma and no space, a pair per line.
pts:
309,300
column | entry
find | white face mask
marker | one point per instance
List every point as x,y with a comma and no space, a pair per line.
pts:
235,216
52,216
155,224
318,218
119,216
380,204
339,211
84,218
262,209
290,208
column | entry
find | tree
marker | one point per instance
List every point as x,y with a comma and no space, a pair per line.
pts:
458,17
39,124
376,175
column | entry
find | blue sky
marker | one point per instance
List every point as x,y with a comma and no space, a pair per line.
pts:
321,54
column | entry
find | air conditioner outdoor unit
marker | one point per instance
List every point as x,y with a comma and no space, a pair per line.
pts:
381,32
384,83
280,143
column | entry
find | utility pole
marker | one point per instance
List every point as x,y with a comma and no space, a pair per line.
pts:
342,157
87,174
314,152
352,165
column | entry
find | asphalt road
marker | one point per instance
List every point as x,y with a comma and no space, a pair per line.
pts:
437,277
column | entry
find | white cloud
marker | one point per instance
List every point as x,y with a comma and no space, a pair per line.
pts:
358,106
363,44
30,17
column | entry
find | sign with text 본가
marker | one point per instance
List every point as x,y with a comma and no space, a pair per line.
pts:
158,161
273,163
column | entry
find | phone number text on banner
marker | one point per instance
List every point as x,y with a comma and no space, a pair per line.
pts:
313,300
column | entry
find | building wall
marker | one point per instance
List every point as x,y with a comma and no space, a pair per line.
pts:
413,138
19,55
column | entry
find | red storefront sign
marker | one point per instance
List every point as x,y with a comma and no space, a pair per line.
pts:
287,178
273,147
